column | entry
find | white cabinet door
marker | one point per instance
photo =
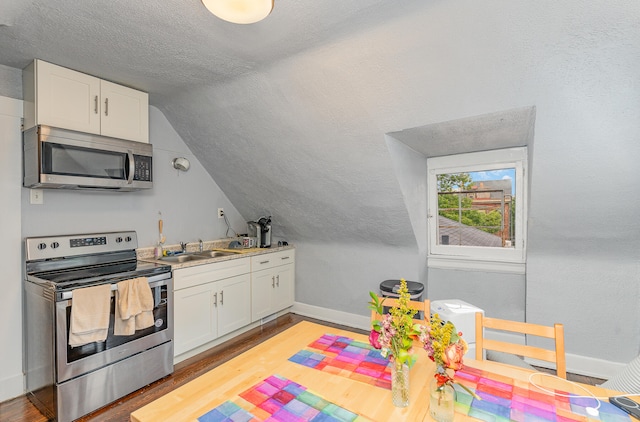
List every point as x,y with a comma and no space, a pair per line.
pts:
194,317
272,290
262,286
125,112
283,294
234,304
67,99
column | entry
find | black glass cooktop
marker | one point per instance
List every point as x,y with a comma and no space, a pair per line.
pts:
101,274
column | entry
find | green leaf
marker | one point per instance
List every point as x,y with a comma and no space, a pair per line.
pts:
376,304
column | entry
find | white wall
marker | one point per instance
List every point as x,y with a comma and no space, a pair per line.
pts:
188,201
325,277
11,380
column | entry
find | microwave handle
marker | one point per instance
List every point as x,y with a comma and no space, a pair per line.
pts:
132,166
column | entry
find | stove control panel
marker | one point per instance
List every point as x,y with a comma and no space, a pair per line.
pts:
89,241
73,245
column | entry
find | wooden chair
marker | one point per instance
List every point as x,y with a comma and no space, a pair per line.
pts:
556,333
424,307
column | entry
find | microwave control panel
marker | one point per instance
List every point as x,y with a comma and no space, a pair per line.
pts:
142,168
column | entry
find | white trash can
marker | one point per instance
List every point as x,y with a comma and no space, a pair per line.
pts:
463,316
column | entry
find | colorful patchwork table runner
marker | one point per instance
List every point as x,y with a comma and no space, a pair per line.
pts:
504,401
279,399
348,358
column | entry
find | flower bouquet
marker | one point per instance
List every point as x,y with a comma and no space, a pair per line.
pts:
394,336
446,348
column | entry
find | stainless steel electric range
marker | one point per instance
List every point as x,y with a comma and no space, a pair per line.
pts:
67,382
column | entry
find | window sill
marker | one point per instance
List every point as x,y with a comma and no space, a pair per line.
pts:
452,263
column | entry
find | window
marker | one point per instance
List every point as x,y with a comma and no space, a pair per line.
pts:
477,210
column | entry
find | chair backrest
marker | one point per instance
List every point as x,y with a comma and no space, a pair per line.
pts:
421,306
556,333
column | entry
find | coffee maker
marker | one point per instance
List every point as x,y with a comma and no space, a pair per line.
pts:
261,229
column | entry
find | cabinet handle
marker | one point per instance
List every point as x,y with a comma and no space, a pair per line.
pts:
264,262
273,281
106,106
215,299
278,280
95,107
221,297
285,257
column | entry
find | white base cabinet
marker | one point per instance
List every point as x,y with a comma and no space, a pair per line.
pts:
216,299
194,317
210,300
272,283
64,98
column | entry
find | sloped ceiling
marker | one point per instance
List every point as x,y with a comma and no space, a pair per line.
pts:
288,115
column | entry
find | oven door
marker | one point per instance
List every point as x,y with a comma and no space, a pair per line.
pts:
75,361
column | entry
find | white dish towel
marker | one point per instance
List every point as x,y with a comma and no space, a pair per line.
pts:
90,315
134,306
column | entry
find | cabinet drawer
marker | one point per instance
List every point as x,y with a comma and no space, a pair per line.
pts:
200,274
269,260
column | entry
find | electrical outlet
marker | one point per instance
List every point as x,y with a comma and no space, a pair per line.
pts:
36,196
220,213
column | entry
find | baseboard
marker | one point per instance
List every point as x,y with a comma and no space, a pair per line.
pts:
331,315
576,364
583,365
11,387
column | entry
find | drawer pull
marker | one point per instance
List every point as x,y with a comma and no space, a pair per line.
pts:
285,257
264,262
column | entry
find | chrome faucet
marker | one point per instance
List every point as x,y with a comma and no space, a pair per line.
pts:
201,245
183,245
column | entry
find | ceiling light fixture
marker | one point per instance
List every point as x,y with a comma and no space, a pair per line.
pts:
240,11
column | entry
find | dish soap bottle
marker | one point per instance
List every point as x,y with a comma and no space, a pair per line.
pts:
157,252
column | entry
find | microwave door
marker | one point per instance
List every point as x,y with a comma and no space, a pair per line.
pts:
69,160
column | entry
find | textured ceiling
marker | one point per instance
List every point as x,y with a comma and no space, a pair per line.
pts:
289,115
207,76
164,47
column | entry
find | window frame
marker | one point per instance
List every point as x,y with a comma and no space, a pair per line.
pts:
479,257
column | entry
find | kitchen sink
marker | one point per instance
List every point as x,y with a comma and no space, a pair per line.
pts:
216,254
183,258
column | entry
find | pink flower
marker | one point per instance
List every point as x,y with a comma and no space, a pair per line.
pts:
374,339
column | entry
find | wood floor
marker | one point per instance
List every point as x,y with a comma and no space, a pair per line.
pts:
20,409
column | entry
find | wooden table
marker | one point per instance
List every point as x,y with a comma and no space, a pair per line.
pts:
225,382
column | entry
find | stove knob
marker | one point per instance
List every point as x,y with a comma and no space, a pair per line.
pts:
42,246
127,239
118,239
54,245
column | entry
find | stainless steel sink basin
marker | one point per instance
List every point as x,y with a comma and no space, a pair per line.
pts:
182,258
216,254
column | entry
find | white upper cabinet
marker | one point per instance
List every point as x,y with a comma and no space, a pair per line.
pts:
64,98
125,112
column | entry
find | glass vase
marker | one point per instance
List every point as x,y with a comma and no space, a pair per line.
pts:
441,401
400,384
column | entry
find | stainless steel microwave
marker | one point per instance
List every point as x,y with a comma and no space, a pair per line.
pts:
66,159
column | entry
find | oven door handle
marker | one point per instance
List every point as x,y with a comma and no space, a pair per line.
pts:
163,281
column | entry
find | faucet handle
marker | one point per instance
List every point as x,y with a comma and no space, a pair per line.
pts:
201,245
183,245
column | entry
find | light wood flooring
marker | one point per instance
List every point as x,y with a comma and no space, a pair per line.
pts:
20,409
